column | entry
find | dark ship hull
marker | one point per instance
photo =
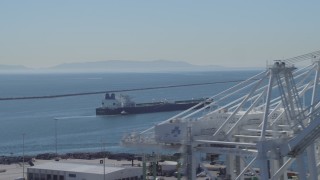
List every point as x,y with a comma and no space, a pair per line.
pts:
149,108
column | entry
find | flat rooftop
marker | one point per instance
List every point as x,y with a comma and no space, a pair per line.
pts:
14,171
77,167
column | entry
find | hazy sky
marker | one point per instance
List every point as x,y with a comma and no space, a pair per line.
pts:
229,33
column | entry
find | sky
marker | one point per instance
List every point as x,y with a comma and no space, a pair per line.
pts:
242,33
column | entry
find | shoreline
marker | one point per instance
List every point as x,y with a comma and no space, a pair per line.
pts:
7,160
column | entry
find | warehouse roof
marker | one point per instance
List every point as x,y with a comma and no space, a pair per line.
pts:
76,167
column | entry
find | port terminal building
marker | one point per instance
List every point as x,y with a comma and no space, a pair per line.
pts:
76,171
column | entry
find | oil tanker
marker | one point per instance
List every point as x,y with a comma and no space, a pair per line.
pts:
121,104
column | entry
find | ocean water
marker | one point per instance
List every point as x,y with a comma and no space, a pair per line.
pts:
78,128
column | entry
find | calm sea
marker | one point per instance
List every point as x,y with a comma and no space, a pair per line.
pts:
78,128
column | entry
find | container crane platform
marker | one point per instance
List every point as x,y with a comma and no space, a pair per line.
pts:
266,122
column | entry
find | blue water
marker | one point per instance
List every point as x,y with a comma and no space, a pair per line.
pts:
78,129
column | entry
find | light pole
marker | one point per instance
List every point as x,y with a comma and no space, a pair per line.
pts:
56,135
104,167
23,134
104,159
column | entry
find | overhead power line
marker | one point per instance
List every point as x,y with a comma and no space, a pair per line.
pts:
119,90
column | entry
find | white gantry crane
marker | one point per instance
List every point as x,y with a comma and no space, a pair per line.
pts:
262,125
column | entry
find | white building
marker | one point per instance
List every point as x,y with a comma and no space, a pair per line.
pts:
75,171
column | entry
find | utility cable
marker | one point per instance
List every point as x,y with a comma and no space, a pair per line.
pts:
113,91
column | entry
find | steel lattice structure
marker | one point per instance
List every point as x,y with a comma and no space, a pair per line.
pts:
266,122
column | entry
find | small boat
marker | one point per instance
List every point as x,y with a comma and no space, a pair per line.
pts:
121,104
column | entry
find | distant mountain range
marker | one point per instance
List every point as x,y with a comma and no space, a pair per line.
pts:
135,66
119,66
12,67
